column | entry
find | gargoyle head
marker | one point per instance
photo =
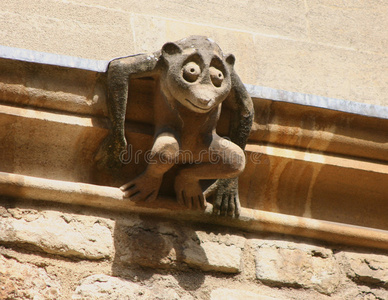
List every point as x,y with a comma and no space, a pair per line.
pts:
198,74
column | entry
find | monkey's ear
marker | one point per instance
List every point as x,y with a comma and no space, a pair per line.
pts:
170,49
230,59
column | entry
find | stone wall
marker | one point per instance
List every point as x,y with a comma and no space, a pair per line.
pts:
56,251
52,251
322,47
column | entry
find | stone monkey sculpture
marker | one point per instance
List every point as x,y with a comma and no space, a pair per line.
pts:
193,78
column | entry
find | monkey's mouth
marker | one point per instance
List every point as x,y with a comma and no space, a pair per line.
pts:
199,107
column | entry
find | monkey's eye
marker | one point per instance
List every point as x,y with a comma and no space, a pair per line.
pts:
191,72
216,76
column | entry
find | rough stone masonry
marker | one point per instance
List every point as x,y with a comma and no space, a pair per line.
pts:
66,252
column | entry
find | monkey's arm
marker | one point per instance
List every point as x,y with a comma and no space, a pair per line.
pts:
120,71
226,190
242,118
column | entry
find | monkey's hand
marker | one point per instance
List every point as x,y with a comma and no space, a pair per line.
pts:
226,200
111,153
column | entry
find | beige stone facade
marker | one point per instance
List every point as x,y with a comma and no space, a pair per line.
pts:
314,195
329,48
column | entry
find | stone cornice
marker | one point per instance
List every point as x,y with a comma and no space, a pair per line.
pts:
20,186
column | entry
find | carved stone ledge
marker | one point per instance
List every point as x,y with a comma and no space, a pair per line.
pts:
28,187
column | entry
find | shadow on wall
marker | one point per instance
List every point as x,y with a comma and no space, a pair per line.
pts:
155,246
125,248
136,248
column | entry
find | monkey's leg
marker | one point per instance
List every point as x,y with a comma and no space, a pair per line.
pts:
162,158
225,161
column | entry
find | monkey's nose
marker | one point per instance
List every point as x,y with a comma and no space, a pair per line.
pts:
204,101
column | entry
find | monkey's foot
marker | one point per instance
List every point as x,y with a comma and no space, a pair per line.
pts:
109,154
143,188
226,199
189,193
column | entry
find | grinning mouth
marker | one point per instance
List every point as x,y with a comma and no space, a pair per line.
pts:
197,105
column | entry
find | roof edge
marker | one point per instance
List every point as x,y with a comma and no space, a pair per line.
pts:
255,91
53,59
347,106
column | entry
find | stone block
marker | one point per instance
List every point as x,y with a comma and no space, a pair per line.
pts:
366,269
102,286
146,245
66,28
220,252
297,265
319,69
26,281
211,256
149,33
265,16
237,294
57,233
359,25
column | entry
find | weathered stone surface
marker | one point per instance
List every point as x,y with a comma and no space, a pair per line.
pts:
210,256
58,233
212,252
320,69
352,24
26,282
102,287
69,25
164,245
147,244
230,294
297,265
365,268
269,17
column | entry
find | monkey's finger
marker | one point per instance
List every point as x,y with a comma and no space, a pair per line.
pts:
150,197
179,197
217,203
136,197
131,193
188,200
202,201
224,204
231,205
237,204
128,186
195,202
127,194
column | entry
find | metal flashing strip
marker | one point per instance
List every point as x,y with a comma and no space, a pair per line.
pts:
358,108
53,59
369,110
